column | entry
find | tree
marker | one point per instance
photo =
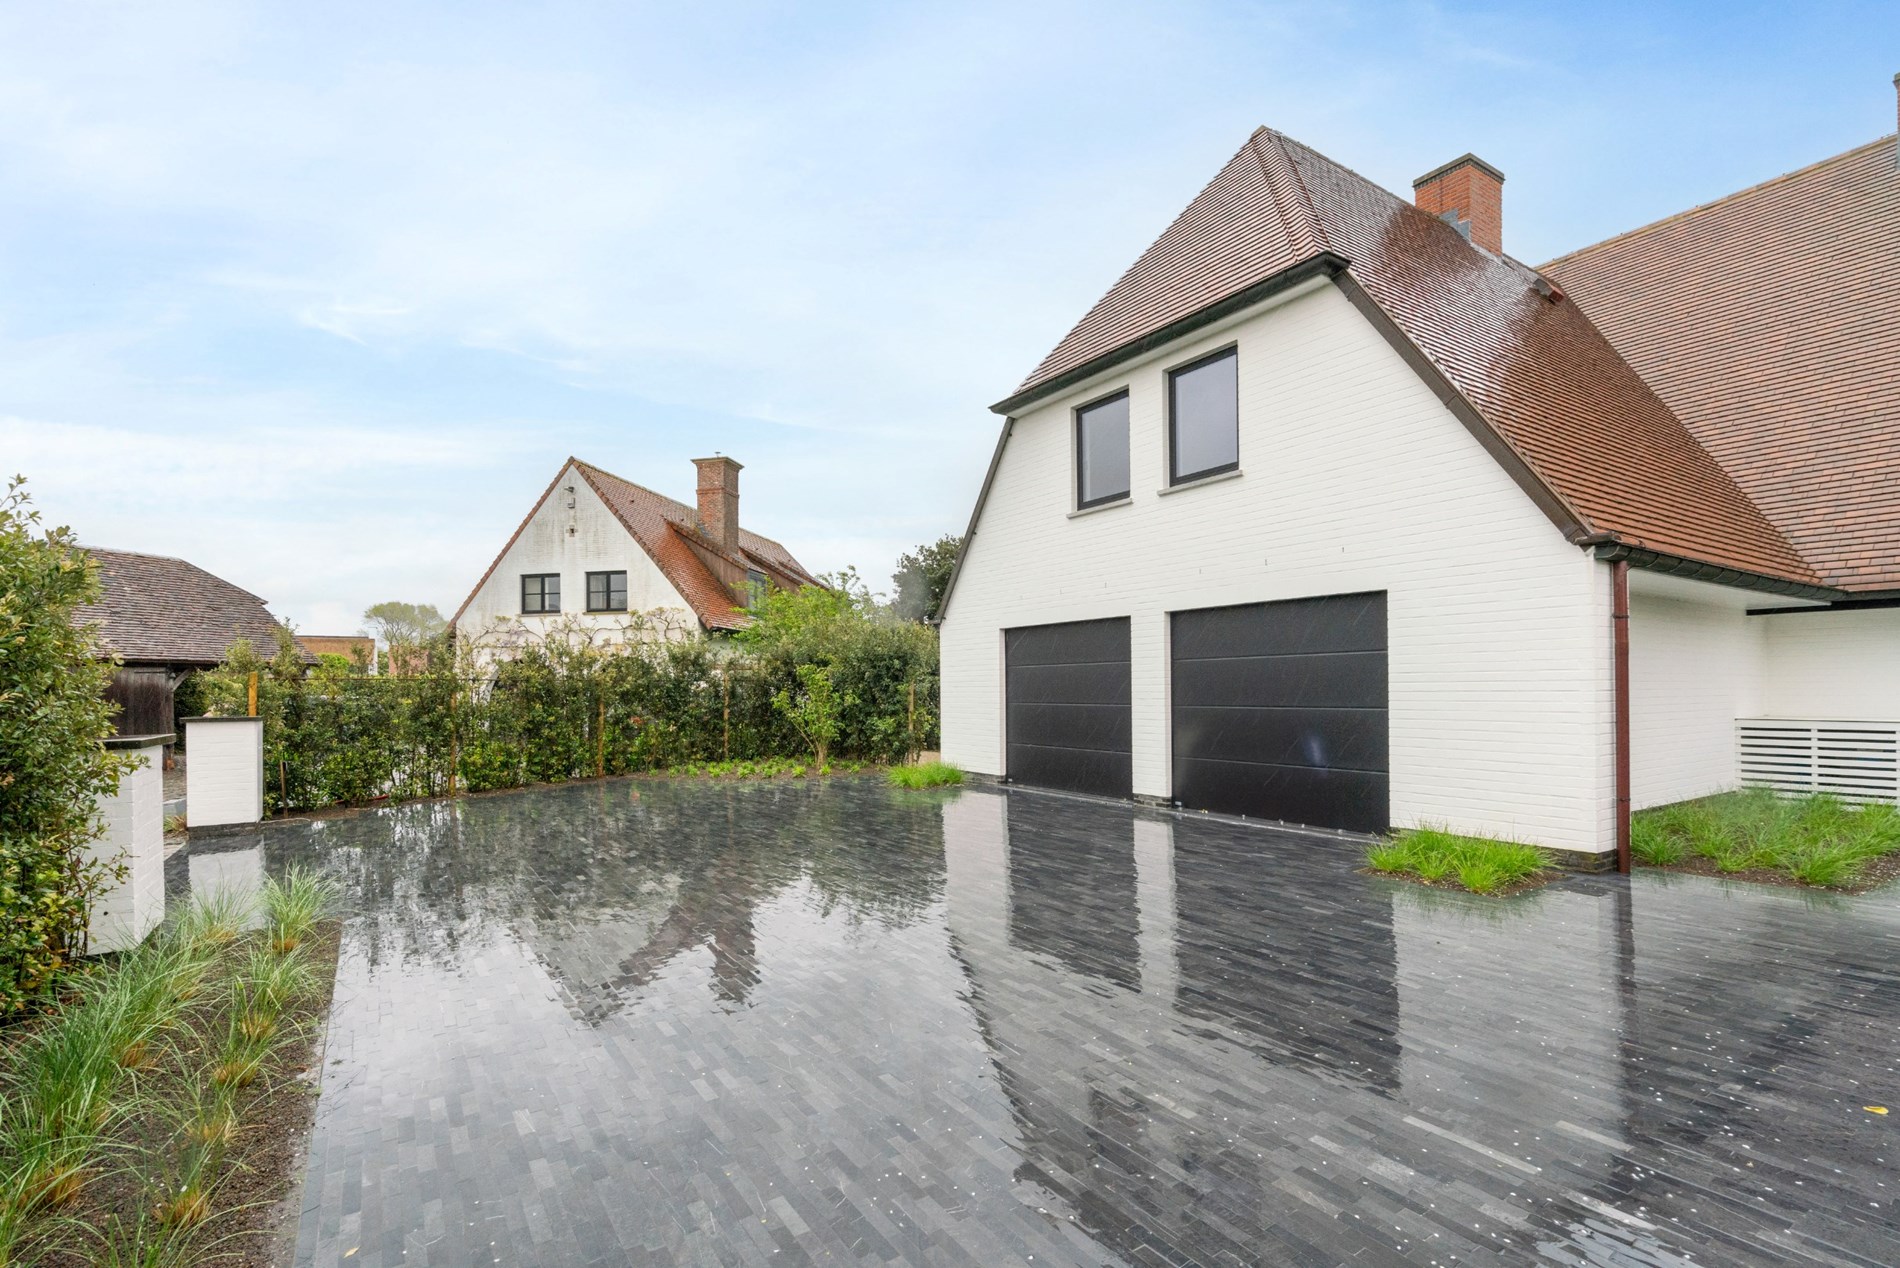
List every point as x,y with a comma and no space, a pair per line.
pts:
922,576
53,720
816,709
404,624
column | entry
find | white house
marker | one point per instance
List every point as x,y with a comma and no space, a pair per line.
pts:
603,558
1330,512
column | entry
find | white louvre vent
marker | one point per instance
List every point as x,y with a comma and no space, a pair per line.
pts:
1858,760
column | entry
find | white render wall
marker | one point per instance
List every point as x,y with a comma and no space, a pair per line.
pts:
573,541
1695,666
1833,665
1355,477
224,778
134,836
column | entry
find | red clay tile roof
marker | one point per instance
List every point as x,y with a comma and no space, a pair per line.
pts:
668,530
351,645
153,609
1770,323
1605,449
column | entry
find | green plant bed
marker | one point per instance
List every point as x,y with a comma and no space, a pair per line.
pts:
1478,864
1754,834
925,775
155,1116
763,768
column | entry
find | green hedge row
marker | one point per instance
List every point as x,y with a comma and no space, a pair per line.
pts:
564,709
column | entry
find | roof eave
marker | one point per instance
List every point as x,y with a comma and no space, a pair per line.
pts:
1323,264
1611,551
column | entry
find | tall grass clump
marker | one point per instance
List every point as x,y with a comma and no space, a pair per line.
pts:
1479,864
925,775
294,904
1816,840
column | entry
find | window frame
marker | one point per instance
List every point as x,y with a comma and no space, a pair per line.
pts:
1176,477
1083,502
544,609
757,586
609,573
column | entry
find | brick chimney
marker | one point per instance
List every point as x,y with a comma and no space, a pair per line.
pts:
719,499
1469,193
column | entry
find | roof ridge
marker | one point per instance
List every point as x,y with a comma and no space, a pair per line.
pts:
138,554
1699,208
1304,228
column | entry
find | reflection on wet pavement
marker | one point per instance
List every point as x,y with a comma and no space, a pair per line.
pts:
734,1024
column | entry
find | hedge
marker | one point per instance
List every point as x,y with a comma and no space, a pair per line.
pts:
462,718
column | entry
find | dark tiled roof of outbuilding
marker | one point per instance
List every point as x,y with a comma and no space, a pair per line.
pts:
1534,369
1770,323
153,609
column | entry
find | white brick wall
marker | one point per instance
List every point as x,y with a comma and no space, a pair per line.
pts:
134,835
1695,667
598,543
1355,478
224,772
1843,665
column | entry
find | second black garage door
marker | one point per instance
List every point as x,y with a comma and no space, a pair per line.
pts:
1066,696
1280,711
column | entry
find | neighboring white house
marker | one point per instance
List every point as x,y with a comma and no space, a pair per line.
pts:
603,558
1329,512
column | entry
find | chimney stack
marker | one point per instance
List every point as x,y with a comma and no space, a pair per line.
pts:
1469,194
719,500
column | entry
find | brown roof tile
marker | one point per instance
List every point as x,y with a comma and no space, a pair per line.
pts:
154,609
1537,373
1770,323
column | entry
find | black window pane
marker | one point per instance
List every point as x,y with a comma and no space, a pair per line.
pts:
606,592
1204,404
1102,450
551,592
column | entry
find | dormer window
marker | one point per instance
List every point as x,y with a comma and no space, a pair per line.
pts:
1101,451
756,587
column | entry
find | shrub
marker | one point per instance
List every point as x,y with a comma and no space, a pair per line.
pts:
53,717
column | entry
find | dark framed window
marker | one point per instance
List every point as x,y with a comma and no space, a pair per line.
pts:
540,592
756,587
1204,417
1101,451
606,592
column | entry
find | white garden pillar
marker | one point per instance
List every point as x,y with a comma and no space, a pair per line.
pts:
224,771
134,837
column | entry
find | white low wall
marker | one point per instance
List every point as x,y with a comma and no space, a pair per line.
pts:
1842,665
224,773
1695,667
134,836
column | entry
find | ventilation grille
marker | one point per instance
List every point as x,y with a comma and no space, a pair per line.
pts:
1856,760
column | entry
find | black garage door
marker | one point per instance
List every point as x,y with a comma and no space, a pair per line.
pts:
1067,698
1280,711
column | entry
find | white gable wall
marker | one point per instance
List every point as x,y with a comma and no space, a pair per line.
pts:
1355,477
573,542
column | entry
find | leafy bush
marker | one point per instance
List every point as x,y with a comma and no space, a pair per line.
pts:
1480,864
53,718
852,677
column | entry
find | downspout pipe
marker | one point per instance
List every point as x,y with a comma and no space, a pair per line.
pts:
1620,627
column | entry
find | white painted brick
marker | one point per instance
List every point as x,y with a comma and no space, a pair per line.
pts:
224,773
1843,665
1356,478
134,835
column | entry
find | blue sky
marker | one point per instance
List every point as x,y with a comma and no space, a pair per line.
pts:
319,296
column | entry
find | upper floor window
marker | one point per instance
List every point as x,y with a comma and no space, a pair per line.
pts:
1101,451
756,587
1204,417
606,592
540,592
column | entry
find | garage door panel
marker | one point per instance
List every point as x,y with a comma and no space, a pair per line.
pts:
1089,726
1351,739
1348,680
1280,711
1068,722
1077,770
1354,801
1069,684
1330,624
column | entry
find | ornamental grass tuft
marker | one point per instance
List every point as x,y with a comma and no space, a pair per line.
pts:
925,775
1817,840
1437,856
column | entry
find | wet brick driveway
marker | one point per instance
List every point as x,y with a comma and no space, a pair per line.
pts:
658,1023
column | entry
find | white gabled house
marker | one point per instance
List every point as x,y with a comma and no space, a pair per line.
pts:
603,558
1332,513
